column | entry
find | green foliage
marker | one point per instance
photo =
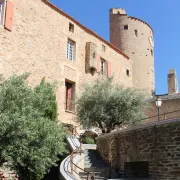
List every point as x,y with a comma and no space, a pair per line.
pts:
88,140
105,104
47,104
30,138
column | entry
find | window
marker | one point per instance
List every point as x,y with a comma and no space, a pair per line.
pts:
127,72
103,67
152,52
71,27
103,48
125,27
71,50
136,32
1,11
69,96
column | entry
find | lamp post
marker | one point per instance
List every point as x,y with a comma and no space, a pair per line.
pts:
158,105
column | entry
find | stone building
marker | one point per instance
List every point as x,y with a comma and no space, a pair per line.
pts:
170,107
134,37
39,38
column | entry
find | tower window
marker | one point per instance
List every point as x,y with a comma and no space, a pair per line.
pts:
71,27
127,72
136,32
125,27
152,52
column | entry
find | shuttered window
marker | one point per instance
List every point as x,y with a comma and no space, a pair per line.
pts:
69,96
103,66
71,50
1,11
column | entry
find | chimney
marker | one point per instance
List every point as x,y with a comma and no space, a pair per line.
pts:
172,82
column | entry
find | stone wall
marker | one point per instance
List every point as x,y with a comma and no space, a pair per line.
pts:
158,143
169,109
38,44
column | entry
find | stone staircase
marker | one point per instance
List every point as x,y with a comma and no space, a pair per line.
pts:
94,163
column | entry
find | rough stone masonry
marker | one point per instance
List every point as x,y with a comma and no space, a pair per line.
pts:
157,143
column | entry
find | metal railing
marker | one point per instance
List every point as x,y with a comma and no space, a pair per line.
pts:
76,151
164,116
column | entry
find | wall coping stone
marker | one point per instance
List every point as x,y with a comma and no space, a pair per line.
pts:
144,126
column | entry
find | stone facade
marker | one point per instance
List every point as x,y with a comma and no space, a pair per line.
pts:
38,44
170,107
135,38
172,82
158,144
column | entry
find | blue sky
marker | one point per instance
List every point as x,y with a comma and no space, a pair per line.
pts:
162,15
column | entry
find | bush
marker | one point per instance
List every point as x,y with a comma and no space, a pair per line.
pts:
30,138
88,140
106,104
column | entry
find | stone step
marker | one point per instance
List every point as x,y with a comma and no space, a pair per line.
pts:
95,175
94,169
92,158
95,162
95,166
95,178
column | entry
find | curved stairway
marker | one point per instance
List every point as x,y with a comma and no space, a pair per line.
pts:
94,163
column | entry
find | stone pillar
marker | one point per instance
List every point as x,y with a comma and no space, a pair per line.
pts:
172,82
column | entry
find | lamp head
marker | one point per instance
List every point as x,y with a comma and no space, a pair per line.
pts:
158,102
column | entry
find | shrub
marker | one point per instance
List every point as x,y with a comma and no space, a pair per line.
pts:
30,138
88,140
106,104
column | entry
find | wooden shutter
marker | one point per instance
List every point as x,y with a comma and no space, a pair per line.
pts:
69,96
9,15
109,71
65,97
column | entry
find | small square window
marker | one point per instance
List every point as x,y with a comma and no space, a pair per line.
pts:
127,72
136,32
125,27
71,48
103,48
71,27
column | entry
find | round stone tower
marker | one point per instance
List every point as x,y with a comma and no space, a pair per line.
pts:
134,37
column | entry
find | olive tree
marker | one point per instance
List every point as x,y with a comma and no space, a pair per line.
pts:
106,104
30,138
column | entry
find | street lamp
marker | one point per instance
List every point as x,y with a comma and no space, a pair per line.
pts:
158,105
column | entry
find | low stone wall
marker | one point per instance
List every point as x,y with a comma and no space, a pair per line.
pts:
158,143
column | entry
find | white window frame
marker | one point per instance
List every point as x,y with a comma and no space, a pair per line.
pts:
103,67
2,11
71,48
